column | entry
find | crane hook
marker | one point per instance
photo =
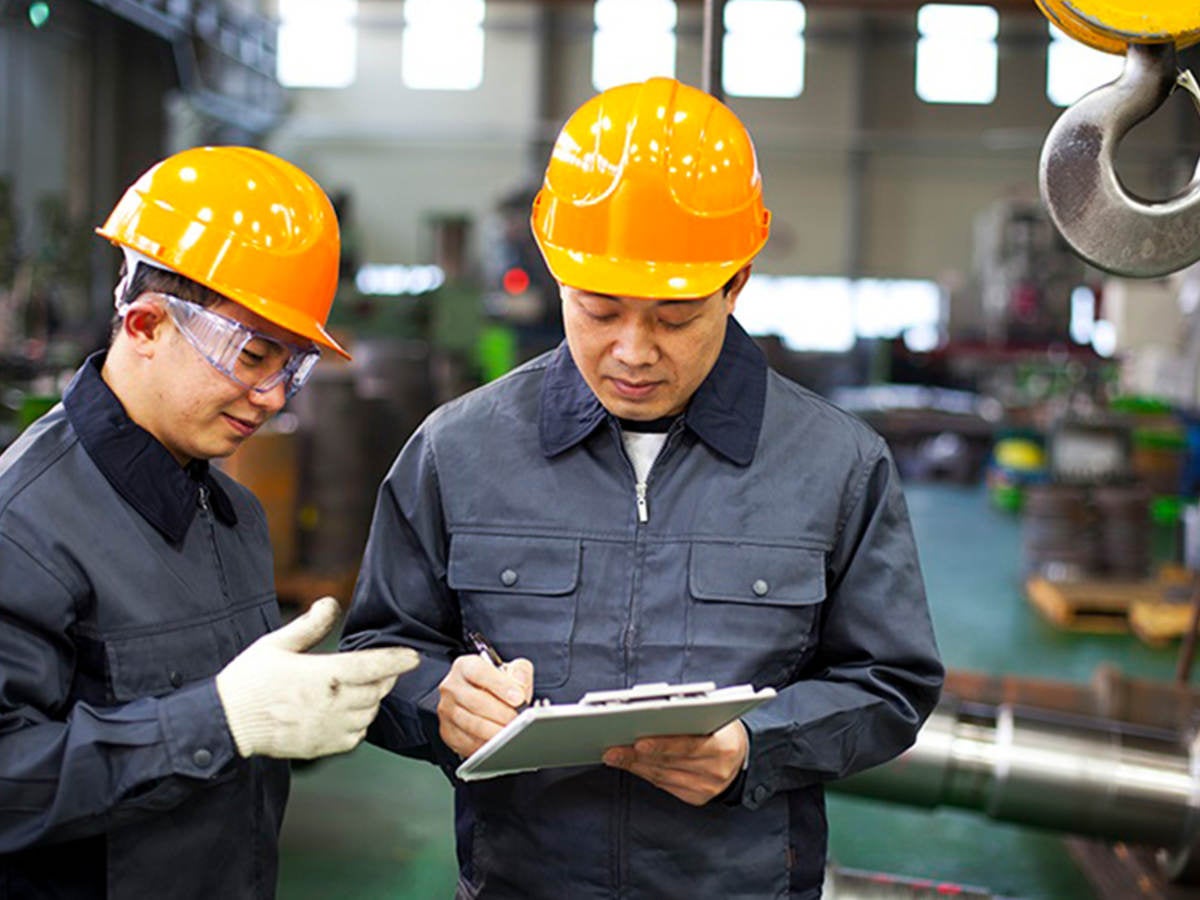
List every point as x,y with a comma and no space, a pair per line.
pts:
1098,217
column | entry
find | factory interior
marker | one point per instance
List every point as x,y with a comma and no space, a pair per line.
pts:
1036,377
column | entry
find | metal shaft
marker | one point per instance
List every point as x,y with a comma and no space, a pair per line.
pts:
1077,774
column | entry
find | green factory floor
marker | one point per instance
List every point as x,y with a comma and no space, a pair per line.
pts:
369,826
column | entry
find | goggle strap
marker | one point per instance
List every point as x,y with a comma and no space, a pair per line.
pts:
133,259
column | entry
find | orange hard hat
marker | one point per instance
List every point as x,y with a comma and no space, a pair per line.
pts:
652,190
244,223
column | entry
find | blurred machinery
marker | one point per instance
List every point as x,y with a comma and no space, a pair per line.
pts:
1156,330
934,433
225,60
1119,760
414,332
1017,461
316,467
1023,274
520,294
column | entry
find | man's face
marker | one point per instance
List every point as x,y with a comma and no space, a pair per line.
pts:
644,358
198,412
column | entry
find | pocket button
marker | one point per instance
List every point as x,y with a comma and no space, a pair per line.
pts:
760,588
508,577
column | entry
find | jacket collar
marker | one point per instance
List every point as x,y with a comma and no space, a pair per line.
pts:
725,412
138,467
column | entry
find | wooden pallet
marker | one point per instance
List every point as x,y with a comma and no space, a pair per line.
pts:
1155,610
1159,622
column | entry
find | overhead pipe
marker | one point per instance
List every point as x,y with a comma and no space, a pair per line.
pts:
713,48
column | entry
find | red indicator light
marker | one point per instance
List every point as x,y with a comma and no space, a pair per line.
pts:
515,281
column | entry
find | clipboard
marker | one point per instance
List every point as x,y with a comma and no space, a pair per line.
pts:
549,735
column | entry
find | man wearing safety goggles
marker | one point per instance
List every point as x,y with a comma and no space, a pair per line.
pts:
260,364
148,699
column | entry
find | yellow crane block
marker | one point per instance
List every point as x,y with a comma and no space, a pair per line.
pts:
1112,25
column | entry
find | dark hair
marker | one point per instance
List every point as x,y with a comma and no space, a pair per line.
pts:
150,280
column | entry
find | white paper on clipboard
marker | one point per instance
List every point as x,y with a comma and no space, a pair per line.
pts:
574,734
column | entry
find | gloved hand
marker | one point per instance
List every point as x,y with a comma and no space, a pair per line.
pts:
281,702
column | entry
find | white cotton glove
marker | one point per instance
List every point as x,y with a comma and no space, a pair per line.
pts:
281,702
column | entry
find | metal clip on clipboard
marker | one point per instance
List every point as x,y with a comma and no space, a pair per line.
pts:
659,690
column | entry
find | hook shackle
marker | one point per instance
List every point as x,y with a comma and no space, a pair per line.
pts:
1101,220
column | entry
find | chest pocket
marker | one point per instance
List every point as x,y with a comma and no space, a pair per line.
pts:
753,611
520,592
156,661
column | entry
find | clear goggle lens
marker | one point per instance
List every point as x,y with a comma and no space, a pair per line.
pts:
249,357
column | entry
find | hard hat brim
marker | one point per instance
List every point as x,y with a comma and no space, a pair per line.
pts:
286,317
649,280
277,313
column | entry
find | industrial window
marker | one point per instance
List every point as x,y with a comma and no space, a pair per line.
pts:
956,53
1073,69
830,314
764,48
1083,314
318,43
634,40
442,48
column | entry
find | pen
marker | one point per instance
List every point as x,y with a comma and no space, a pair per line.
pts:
483,646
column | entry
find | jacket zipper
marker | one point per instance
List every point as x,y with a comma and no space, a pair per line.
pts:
206,509
640,489
255,771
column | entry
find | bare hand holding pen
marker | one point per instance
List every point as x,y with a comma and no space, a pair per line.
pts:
479,696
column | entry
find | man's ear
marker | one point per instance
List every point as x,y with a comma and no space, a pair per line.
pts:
736,283
143,325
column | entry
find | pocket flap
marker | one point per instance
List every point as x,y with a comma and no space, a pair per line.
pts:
161,659
517,565
751,573
155,664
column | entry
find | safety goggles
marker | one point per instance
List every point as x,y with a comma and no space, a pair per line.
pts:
249,357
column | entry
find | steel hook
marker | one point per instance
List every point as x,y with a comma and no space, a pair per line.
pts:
1093,211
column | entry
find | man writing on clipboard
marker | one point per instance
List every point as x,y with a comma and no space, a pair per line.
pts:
649,502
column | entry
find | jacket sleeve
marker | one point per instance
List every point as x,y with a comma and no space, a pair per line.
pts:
69,770
402,598
876,674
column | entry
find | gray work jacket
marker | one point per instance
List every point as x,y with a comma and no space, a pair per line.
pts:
770,545
126,584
